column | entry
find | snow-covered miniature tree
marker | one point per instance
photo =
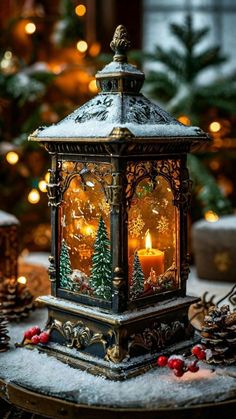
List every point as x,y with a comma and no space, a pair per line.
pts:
65,267
137,287
100,280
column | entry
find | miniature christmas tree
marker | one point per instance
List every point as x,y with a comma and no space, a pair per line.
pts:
65,267
100,280
4,338
137,287
15,299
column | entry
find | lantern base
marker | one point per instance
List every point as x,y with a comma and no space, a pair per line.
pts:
118,346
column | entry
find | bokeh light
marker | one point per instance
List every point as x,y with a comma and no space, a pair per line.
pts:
80,10
34,196
12,157
82,46
30,28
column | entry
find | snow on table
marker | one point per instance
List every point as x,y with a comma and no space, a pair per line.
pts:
158,388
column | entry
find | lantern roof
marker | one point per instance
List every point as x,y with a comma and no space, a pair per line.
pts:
119,110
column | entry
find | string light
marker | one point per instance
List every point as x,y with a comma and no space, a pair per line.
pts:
12,157
43,186
80,10
82,46
34,196
22,280
93,86
30,28
211,216
215,126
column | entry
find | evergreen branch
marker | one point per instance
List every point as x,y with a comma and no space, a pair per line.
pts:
208,58
186,34
160,84
172,59
208,193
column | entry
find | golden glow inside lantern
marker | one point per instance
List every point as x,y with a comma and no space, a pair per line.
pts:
119,193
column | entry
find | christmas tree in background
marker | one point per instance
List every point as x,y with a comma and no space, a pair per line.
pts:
4,338
179,85
206,192
100,279
137,287
68,28
65,267
40,83
180,88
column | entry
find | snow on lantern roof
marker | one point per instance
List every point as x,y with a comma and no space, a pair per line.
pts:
119,105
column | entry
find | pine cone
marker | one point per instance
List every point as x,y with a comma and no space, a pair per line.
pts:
15,299
219,335
4,338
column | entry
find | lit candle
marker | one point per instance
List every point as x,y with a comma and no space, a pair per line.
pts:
151,259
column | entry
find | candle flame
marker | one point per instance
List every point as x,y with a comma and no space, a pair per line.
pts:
148,241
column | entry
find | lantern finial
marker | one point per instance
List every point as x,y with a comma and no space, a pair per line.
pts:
120,44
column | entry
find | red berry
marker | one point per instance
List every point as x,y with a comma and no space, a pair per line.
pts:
170,363
28,334
196,350
193,367
162,361
201,355
178,364
35,330
179,373
44,337
35,340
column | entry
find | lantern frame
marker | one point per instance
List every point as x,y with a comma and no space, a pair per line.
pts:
139,140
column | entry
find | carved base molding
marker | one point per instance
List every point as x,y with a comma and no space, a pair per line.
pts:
117,346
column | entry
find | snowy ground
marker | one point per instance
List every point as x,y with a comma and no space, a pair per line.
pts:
155,389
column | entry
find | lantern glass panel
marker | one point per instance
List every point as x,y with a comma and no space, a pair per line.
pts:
152,239
85,253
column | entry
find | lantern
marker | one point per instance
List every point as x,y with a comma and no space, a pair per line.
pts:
119,193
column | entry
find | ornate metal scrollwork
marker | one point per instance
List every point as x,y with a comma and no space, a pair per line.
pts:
114,191
120,43
77,335
54,189
185,269
183,198
156,337
116,352
97,109
78,148
52,269
102,173
140,110
169,169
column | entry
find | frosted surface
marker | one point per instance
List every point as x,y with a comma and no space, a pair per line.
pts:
7,219
99,116
119,67
226,222
157,388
